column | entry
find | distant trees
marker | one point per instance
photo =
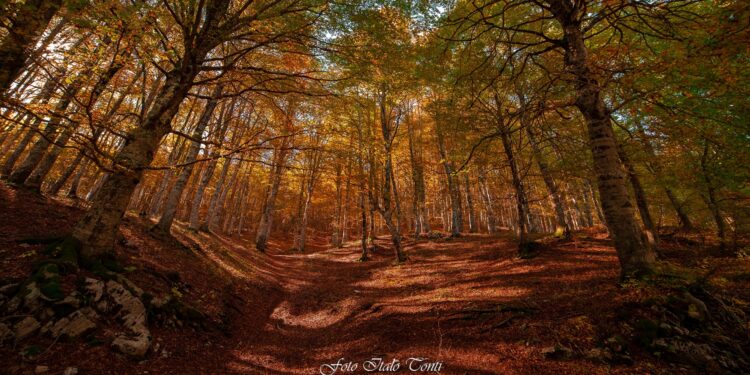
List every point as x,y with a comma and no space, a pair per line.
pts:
358,119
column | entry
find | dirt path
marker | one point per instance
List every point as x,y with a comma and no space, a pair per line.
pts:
468,304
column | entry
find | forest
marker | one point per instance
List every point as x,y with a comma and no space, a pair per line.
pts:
374,186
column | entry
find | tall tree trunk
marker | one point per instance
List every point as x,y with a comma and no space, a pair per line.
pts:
55,187
97,229
35,179
173,199
336,239
266,218
454,189
635,255
421,223
679,209
33,124
650,229
29,23
656,169
562,228
487,201
75,183
709,196
521,202
214,204
208,171
10,162
37,152
470,205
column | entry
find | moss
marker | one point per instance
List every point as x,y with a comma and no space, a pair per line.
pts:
65,251
646,331
52,290
31,351
112,264
98,268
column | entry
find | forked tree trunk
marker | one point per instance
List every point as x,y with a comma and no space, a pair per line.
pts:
635,255
97,229
389,189
521,202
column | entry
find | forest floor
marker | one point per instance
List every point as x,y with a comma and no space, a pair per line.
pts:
469,303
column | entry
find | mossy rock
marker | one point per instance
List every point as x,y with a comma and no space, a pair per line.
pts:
65,251
52,290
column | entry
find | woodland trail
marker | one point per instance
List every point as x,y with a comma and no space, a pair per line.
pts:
468,303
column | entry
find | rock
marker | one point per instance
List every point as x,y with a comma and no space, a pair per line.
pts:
47,327
696,308
94,288
135,346
103,306
89,313
73,300
557,352
31,300
26,328
72,326
130,286
41,369
12,305
70,371
133,315
5,333
45,314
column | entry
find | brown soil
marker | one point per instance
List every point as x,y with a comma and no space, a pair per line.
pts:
469,303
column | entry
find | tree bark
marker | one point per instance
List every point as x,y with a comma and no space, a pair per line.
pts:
470,205
521,202
454,190
28,25
635,255
650,229
562,228
487,201
173,199
266,219
208,171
